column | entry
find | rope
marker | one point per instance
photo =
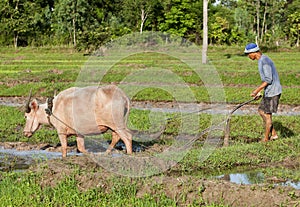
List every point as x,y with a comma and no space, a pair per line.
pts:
49,112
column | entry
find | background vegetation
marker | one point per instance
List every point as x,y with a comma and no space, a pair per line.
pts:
86,24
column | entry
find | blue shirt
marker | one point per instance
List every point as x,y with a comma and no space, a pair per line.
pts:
268,73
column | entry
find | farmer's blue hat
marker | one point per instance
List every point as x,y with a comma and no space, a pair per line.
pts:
251,47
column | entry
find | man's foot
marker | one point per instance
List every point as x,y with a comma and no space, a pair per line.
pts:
264,140
274,137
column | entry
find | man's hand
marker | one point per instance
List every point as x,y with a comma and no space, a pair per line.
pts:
253,94
257,96
257,91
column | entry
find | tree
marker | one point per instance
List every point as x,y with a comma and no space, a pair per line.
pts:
294,27
136,12
70,16
221,24
263,19
86,24
101,24
219,30
179,18
18,19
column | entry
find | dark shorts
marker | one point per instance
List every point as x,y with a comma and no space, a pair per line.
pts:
269,104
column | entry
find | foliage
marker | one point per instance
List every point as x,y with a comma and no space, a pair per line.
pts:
179,18
87,24
17,19
294,22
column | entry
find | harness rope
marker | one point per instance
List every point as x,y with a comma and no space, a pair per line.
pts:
50,113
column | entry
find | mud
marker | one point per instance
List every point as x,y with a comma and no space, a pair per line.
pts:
172,107
185,189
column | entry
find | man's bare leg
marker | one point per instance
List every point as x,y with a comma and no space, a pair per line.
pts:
273,133
267,118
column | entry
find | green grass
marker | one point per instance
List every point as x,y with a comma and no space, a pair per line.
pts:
246,132
26,190
251,154
244,129
47,70
43,69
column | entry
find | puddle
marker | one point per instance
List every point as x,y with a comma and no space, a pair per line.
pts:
251,178
18,160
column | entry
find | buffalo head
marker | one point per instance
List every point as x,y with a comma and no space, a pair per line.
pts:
31,116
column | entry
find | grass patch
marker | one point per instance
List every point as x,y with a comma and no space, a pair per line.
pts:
49,69
264,156
244,129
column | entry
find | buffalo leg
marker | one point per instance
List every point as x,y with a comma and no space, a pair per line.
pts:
80,144
127,139
64,143
114,141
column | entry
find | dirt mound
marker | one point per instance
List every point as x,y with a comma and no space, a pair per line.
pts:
184,189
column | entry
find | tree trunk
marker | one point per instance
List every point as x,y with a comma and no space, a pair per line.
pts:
74,32
205,32
257,19
263,29
16,36
143,19
74,22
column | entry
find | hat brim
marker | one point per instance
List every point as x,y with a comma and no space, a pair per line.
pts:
256,49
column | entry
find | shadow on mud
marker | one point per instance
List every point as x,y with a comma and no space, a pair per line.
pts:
284,131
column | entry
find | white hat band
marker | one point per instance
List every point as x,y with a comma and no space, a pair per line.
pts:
252,50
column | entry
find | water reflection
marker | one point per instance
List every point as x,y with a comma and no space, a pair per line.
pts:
249,178
12,159
244,178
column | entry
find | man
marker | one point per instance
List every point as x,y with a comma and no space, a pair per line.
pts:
272,89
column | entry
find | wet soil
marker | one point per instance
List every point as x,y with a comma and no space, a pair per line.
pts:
185,189
171,107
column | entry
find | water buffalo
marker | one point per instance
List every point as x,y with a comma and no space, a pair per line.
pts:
83,111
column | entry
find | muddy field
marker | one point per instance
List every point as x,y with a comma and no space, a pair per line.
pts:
177,187
171,107
185,189
212,191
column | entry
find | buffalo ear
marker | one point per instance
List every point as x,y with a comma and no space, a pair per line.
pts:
34,104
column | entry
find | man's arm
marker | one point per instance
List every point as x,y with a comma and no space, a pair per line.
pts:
258,89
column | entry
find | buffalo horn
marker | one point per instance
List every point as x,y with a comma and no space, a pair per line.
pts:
27,108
